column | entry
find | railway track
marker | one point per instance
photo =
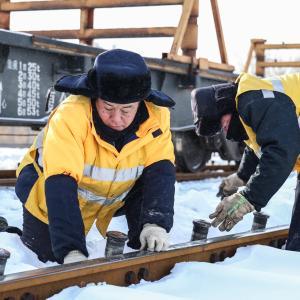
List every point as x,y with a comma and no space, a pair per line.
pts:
8,177
209,171
126,269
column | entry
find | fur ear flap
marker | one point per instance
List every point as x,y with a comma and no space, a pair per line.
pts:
92,78
160,99
76,85
226,90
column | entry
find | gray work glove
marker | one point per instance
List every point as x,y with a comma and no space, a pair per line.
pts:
74,256
154,237
230,211
230,185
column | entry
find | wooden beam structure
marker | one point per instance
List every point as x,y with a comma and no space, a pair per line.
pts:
86,22
190,39
185,35
178,38
88,34
79,4
4,16
259,46
278,46
219,31
278,64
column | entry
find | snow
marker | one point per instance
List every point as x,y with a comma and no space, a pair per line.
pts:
255,272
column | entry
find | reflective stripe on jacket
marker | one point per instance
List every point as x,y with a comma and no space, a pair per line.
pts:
288,84
70,145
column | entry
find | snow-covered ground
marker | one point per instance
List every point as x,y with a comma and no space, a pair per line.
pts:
255,272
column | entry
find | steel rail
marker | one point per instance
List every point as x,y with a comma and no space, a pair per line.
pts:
209,171
131,267
201,175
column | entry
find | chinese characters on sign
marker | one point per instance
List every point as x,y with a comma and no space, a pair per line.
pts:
28,87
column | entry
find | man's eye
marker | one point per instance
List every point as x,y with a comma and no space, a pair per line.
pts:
125,112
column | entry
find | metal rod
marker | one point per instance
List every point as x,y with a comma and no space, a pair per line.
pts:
4,256
259,221
200,230
115,243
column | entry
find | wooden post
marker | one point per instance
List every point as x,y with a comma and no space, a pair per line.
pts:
190,38
249,57
86,22
260,55
219,31
4,17
181,29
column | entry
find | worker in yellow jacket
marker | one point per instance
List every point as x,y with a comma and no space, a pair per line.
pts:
106,150
264,113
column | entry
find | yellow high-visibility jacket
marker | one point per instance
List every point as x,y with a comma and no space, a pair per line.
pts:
70,145
288,84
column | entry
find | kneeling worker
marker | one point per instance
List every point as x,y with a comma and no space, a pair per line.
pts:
264,113
105,151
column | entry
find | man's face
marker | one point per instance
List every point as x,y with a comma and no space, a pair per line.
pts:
225,121
116,116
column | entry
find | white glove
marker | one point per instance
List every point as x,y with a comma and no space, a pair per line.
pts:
230,185
74,256
155,237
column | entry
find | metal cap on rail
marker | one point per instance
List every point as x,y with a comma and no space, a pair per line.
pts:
200,230
115,243
4,256
259,221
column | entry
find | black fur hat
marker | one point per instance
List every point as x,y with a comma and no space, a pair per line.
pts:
209,104
118,76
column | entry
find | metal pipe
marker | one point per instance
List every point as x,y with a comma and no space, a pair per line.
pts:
200,230
259,221
3,224
4,255
115,243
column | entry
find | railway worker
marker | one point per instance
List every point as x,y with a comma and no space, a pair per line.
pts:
263,113
105,151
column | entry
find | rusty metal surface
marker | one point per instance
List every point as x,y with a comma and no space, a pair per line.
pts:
131,267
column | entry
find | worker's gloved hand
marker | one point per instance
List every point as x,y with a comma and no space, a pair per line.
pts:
154,237
230,211
74,256
230,185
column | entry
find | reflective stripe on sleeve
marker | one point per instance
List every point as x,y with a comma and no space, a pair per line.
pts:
268,94
277,85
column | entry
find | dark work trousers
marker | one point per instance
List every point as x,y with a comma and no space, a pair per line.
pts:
293,242
36,233
36,237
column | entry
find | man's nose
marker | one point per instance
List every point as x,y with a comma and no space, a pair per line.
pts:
116,116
